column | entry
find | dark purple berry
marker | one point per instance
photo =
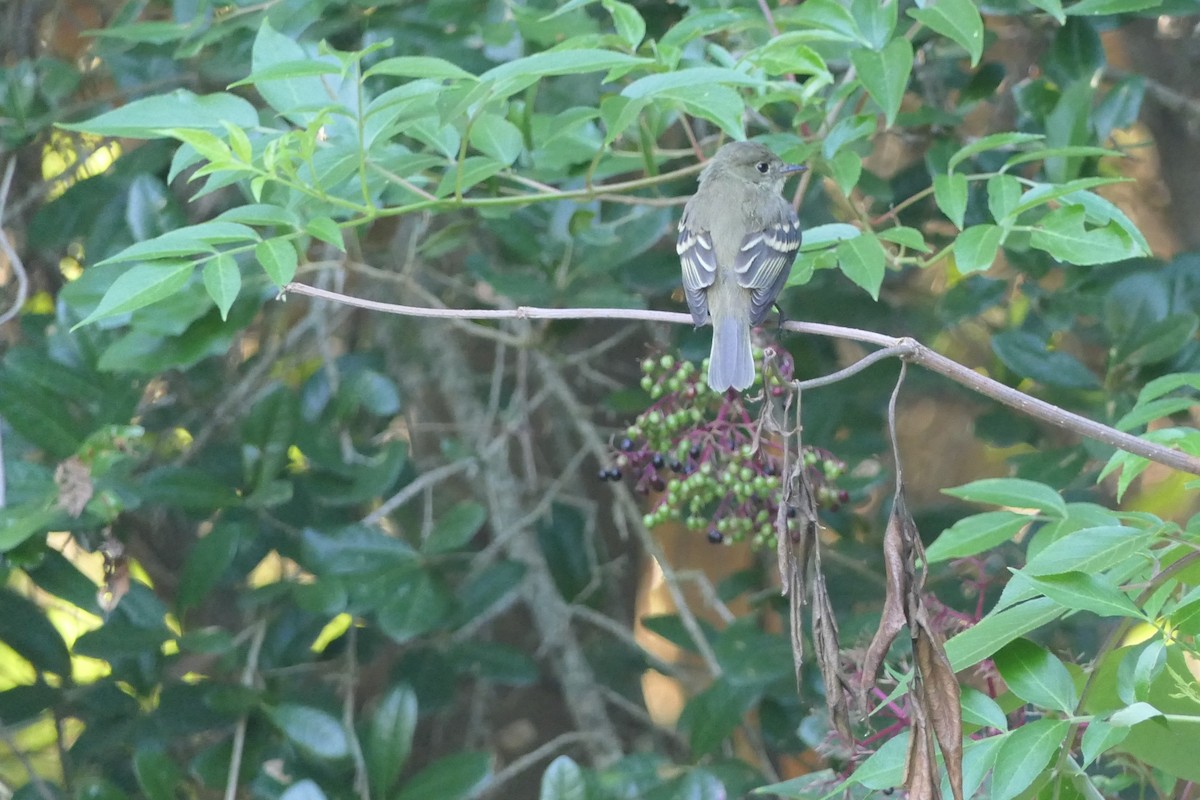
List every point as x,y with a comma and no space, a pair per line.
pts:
715,536
676,465
695,451
614,474
658,484
658,461
602,474
626,444
843,496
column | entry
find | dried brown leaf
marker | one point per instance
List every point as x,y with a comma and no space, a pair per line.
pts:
939,695
895,603
74,481
920,768
826,643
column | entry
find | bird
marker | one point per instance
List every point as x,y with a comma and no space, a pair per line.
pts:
737,240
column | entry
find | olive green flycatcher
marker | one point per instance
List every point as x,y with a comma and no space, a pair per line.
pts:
737,240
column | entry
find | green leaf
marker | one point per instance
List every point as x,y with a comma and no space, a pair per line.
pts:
495,136
1090,550
140,286
975,248
301,68
514,76
1062,234
420,67
1133,714
786,54
304,789
833,233
299,97
157,774
145,118
958,20
1168,383
979,709
223,281
711,716
885,73
885,767
1004,192
1099,738
911,238
1082,592
998,629
1028,356
976,534
1157,341
628,22
25,628
563,780
326,230
1101,7
993,141
453,777
278,258
1015,492
19,523
832,16
314,731
495,663
863,260
389,739
210,557
877,21
950,192
419,603
261,214
1024,754
652,85
1052,7
456,528
1037,676
845,168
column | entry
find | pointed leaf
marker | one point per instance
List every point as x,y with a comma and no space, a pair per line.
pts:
1037,676
1015,492
140,286
884,74
278,258
223,280
958,20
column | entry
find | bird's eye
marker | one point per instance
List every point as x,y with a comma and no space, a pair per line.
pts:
762,167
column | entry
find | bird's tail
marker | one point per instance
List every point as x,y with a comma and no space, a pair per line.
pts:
731,363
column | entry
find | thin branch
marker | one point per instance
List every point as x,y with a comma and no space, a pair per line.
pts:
10,252
519,765
428,478
239,733
905,348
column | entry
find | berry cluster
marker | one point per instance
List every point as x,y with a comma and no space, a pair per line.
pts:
695,448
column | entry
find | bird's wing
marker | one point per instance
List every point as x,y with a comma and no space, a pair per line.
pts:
765,258
699,261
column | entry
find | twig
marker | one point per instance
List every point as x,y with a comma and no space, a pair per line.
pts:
519,765
239,733
43,789
361,782
14,260
428,478
905,348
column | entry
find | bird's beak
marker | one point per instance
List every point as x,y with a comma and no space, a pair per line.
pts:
788,169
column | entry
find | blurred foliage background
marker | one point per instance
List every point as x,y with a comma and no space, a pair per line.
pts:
297,549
